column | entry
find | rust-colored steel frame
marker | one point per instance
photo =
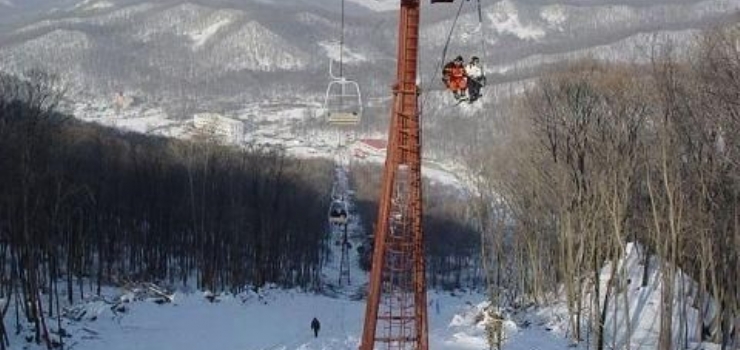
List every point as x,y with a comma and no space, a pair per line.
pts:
396,312
344,261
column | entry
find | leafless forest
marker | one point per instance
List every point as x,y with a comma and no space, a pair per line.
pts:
597,155
84,207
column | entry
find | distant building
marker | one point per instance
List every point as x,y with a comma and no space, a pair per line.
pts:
226,129
365,147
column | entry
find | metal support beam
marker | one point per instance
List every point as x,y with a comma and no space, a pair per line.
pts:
396,313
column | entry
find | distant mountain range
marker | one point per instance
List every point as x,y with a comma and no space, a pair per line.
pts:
219,53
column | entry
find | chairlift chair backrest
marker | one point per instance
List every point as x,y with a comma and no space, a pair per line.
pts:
343,100
338,213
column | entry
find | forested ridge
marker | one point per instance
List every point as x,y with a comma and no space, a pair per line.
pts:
83,206
594,156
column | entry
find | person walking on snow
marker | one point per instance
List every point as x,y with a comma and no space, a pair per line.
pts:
315,326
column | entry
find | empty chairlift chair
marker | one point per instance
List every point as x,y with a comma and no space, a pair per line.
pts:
343,101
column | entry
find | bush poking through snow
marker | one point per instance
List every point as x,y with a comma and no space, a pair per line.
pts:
493,322
211,297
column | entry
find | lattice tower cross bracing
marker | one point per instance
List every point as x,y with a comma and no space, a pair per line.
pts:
396,314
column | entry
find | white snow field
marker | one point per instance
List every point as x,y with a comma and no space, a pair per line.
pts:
277,320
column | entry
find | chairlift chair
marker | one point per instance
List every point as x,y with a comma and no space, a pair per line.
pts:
338,214
343,100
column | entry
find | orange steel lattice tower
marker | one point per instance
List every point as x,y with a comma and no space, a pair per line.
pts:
344,261
396,314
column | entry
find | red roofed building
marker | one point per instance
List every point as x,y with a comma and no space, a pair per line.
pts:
366,147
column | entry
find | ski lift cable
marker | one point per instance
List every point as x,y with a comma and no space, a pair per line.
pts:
440,63
452,30
343,108
484,55
341,44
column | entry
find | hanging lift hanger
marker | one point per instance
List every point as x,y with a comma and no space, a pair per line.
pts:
343,108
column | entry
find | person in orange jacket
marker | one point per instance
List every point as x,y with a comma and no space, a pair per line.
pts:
455,78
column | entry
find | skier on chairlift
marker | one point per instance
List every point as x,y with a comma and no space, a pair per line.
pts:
476,79
455,79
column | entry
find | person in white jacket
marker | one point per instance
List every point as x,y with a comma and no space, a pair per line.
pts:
476,79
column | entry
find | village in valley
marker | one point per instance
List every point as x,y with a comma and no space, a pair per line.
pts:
296,128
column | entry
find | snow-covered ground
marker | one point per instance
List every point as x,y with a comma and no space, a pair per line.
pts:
275,319
89,5
200,37
379,5
638,328
348,56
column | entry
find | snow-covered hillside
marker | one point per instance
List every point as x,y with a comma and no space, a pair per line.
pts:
348,56
92,5
67,46
269,319
378,5
185,43
279,319
255,48
634,312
